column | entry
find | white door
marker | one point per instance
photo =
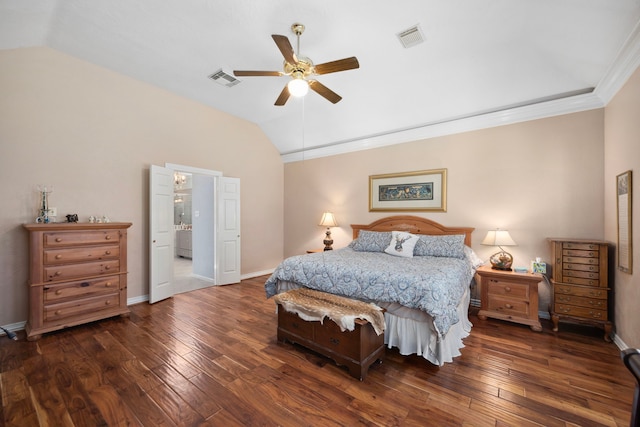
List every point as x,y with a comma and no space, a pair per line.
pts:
161,233
228,241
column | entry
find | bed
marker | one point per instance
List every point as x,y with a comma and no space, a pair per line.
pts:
424,289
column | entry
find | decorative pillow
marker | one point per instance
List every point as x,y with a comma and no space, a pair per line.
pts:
371,241
473,257
402,244
451,246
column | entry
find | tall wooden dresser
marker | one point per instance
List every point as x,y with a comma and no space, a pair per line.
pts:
78,274
580,282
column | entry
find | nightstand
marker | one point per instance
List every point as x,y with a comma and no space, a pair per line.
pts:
511,296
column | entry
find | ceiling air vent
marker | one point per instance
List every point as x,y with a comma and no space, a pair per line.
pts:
411,36
223,78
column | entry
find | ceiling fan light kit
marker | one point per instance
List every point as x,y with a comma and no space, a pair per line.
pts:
300,68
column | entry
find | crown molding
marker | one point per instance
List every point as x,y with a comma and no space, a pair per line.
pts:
536,111
626,63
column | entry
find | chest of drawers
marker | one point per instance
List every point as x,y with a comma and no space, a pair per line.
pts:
77,274
507,295
580,282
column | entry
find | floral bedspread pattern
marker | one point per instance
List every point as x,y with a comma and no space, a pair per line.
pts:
432,284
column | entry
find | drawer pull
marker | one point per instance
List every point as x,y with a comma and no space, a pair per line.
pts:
598,303
107,302
58,256
107,285
84,284
507,289
58,312
565,299
107,267
295,325
595,315
58,239
334,341
107,237
565,310
509,306
59,291
107,253
595,293
57,273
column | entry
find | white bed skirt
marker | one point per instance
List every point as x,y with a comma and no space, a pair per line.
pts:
412,331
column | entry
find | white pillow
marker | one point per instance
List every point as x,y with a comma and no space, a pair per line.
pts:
402,244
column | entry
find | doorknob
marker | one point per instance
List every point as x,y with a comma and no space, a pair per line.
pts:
154,241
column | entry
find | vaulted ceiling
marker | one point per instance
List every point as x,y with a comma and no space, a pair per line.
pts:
482,62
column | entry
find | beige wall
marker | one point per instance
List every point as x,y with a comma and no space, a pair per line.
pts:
622,153
537,179
92,134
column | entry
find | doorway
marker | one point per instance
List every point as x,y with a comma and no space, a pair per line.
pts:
214,229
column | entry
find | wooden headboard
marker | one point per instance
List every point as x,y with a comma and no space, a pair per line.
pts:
413,224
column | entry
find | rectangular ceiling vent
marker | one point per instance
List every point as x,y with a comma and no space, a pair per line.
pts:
411,36
224,78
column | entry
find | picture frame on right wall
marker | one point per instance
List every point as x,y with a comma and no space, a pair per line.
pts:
623,198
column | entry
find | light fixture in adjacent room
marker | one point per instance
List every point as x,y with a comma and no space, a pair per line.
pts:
298,86
500,260
328,220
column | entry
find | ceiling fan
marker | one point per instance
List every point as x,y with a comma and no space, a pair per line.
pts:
300,68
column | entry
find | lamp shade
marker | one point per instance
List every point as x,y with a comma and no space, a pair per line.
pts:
328,220
498,238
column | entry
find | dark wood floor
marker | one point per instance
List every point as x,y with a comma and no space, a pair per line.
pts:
211,357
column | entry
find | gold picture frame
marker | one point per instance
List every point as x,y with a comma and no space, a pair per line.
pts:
424,190
623,198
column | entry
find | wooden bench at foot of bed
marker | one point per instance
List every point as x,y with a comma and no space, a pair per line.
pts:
357,349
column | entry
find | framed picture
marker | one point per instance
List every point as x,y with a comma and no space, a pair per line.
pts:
409,191
623,197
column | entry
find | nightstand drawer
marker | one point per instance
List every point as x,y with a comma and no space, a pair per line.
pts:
512,290
508,306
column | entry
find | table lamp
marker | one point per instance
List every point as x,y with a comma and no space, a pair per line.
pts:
500,260
328,220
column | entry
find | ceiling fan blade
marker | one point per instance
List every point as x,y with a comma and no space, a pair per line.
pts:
339,65
243,73
285,48
324,91
284,96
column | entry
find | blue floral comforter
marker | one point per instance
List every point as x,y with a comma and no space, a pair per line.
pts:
431,284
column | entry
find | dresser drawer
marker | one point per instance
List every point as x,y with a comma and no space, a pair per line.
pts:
576,280
584,246
87,269
581,291
583,312
69,255
508,306
291,323
581,254
581,260
592,268
512,290
81,289
62,238
600,304
79,307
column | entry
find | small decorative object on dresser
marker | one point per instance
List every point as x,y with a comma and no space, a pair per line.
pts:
511,296
78,274
580,282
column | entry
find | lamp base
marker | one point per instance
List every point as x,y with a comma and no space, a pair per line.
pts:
328,241
501,261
